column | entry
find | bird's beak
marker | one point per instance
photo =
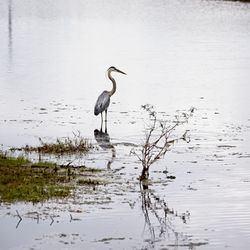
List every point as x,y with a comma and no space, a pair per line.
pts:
121,72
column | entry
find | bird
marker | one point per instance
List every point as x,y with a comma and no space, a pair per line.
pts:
103,100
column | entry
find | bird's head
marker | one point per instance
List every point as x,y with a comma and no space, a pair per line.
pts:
112,68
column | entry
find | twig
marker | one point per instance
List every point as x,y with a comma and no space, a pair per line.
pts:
52,220
20,219
73,219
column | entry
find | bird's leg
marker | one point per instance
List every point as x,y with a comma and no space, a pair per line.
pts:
106,121
101,122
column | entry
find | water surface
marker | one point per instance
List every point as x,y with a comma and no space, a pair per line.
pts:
177,55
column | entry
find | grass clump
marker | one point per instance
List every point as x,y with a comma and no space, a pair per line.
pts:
66,145
21,180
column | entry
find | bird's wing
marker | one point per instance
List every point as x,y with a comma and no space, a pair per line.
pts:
102,102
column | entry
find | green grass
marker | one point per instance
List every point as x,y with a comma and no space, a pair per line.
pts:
21,180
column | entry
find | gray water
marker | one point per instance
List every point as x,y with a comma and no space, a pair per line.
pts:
177,55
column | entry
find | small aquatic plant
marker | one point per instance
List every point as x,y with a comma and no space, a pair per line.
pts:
67,145
158,138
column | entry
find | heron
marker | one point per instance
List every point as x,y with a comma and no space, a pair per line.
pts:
103,100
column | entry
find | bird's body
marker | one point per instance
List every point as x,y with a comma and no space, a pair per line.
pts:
103,100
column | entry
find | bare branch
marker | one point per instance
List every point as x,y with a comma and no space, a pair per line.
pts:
159,137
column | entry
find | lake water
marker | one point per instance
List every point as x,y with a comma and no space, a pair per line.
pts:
177,54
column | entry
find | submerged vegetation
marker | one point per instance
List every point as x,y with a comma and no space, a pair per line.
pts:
22,180
66,145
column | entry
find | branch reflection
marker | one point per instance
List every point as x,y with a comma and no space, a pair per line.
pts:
159,219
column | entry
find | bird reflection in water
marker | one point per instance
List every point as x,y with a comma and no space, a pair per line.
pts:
103,140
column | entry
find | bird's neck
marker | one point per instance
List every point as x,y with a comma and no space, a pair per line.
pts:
113,82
